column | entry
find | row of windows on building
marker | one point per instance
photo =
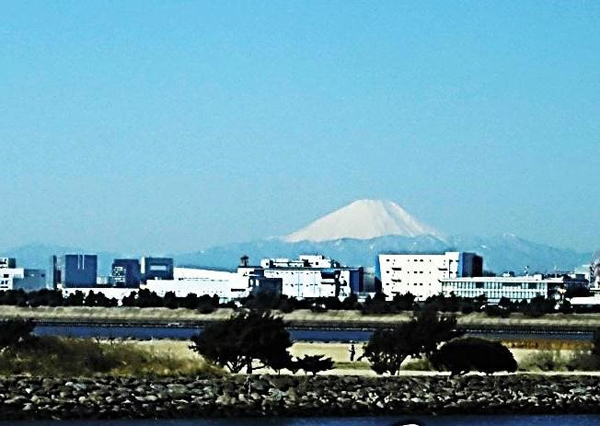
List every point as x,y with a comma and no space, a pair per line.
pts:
415,260
496,294
413,284
497,286
308,284
204,280
297,273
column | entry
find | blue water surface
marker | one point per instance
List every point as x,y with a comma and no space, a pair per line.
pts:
158,332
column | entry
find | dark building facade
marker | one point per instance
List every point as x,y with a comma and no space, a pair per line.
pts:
126,272
54,278
157,268
357,282
75,270
472,265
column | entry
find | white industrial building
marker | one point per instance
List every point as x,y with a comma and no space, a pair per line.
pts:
422,274
110,292
226,285
304,261
312,276
14,278
514,288
595,275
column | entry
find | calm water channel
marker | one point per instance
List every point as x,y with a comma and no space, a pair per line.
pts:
295,334
567,420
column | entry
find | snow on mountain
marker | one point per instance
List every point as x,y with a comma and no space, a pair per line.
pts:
363,220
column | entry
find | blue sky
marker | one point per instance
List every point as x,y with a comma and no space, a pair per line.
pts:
176,125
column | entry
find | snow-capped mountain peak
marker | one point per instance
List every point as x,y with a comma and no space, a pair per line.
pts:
363,220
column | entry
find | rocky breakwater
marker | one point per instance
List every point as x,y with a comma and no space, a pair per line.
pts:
106,398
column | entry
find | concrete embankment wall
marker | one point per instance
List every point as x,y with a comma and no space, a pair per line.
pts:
105,398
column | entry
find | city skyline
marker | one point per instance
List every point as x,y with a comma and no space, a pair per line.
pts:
172,127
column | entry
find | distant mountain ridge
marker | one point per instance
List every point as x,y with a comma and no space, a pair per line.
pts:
501,253
354,235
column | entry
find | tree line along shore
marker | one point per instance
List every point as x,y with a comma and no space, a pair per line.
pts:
148,307
299,318
250,341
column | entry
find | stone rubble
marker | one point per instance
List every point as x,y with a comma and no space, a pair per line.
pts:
30,398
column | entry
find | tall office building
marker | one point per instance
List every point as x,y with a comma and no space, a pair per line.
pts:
14,278
422,274
75,270
126,272
157,268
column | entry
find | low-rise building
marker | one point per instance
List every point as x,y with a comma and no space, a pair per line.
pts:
422,274
227,285
14,278
110,292
313,276
8,262
257,281
514,288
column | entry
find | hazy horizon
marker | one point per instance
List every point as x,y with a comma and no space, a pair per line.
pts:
174,126
138,251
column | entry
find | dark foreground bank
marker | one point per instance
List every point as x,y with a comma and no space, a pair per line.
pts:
521,420
243,396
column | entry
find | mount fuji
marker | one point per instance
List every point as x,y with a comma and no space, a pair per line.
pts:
363,220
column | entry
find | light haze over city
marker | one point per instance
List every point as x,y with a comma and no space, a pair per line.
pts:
173,126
